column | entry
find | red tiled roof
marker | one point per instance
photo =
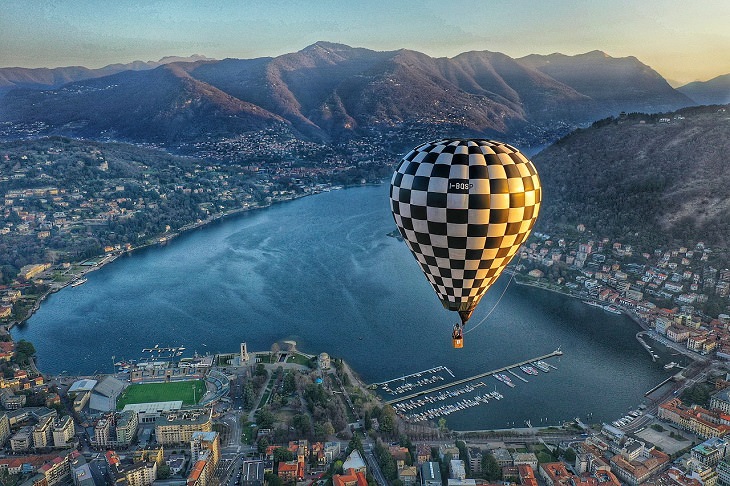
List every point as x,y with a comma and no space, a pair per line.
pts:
288,467
350,478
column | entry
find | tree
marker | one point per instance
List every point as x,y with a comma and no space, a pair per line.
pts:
283,454
290,384
386,461
387,420
273,480
163,471
260,370
445,462
463,453
265,419
25,347
302,424
490,468
274,349
323,430
24,350
569,455
262,445
248,395
355,444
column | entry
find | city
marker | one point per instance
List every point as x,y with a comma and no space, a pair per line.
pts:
206,214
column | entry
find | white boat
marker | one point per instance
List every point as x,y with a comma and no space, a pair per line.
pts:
504,379
528,370
669,366
542,366
80,281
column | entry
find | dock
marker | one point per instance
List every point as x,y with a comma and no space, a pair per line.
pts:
517,376
671,378
639,337
416,375
462,381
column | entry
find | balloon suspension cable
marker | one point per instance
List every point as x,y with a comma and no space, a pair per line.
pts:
498,300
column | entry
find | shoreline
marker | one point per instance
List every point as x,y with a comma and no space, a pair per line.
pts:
103,260
641,324
162,239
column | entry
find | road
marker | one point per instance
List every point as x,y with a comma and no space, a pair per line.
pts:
373,465
232,421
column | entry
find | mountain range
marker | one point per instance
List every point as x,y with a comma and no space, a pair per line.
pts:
330,92
49,78
716,91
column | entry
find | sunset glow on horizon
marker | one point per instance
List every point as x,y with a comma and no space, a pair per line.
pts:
683,43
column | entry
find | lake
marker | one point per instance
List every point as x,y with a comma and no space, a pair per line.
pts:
322,271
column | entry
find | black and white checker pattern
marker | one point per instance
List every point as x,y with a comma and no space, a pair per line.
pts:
464,208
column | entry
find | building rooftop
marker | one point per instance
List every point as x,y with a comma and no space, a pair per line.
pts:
109,387
502,454
252,471
82,386
154,407
124,418
430,471
524,457
183,417
354,461
205,436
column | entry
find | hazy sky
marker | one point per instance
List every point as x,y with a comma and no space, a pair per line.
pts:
684,41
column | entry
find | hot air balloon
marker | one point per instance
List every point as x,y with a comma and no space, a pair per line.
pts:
464,207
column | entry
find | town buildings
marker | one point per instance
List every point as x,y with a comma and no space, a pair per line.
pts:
178,427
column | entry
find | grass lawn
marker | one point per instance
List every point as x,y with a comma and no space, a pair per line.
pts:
297,358
163,392
247,432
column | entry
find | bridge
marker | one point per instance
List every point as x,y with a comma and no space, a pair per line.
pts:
557,352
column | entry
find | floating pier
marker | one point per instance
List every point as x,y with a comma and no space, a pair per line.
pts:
462,381
416,375
517,376
671,378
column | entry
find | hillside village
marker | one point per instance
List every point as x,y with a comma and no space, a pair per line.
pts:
681,293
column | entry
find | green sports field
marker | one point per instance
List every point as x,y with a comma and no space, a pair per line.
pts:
163,392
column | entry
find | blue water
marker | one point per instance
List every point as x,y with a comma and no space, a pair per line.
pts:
321,271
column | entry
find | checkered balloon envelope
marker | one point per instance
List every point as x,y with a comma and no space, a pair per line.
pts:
464,207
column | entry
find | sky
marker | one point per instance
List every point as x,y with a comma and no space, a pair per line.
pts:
683,41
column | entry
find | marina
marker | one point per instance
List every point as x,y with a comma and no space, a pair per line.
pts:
426,404
423,397
409,386
448,409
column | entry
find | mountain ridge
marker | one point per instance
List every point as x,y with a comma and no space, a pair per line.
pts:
715,91
330,91
46,78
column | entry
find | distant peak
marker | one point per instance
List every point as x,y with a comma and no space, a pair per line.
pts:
191,58
328,46
595,54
